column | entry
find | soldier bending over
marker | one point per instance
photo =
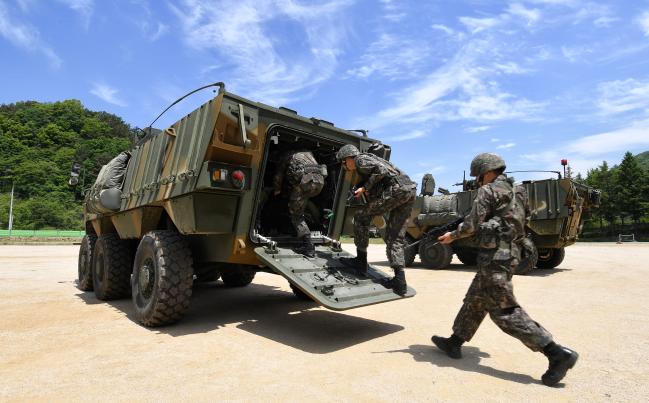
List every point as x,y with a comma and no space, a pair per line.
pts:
498,218
305,180
388,190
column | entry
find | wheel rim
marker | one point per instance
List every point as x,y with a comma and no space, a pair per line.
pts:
545,254
146,278
432,253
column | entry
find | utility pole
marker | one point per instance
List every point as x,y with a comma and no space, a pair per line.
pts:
11,208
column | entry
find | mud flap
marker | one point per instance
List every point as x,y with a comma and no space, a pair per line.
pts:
327,281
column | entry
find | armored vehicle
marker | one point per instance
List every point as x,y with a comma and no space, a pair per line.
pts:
193,203
557,206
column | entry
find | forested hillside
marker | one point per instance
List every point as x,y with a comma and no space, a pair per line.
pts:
38,144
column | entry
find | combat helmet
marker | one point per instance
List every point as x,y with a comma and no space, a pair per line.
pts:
485,162
345,151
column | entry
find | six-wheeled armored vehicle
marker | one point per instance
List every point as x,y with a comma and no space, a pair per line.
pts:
557,209
193,203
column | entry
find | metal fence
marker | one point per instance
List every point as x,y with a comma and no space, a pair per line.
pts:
46,233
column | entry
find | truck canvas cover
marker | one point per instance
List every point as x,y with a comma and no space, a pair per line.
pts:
326,280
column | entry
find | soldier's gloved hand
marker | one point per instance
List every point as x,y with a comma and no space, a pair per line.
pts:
359,192
445,239
276,192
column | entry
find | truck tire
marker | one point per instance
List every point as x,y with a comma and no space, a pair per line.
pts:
300,294
162,278
434,255
237,277
550,258
112,259
85,262
409,254
468,257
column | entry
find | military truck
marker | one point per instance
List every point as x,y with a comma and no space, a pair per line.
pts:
557,206
192,203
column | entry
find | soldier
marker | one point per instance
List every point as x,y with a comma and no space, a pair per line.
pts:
305,179
388,190
498,218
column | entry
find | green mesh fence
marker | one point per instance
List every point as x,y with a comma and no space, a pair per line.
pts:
47,233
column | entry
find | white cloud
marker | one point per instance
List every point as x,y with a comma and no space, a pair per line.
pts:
443,28
643,21
275,67
393,57
459,90
530,15
83,7
392,11
575,54
25,36
415,134
477,129
588,152
107,94
637,134
475,25
623,96
506,146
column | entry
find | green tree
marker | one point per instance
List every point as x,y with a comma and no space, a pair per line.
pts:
602,178
630,188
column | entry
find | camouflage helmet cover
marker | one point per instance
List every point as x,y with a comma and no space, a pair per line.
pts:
485,162
345,151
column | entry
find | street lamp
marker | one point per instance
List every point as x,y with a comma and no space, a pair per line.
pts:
11,203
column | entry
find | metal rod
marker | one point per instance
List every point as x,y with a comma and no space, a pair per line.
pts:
220,84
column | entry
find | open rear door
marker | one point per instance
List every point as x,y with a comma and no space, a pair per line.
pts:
326,280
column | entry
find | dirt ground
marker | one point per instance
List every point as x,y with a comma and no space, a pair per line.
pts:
260,343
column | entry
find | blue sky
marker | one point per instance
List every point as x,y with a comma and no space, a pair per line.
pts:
533,80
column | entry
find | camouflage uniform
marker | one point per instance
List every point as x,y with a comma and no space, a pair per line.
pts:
499,224
305,179
389,190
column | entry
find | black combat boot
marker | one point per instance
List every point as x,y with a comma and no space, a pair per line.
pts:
398,282
358,263
452,346
561,360
307,248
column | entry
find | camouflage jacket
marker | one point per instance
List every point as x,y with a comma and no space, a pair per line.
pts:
375,172
292,164
493,209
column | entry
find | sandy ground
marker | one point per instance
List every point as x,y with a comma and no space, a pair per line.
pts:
261,343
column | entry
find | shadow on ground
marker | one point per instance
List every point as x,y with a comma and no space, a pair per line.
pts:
266,311
471,357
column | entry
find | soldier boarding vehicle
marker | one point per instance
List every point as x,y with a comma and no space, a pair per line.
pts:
192,203
557,207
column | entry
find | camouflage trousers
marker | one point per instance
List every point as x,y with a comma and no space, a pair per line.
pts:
300,195
398,203
492,292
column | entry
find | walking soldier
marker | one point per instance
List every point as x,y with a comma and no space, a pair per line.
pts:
498,218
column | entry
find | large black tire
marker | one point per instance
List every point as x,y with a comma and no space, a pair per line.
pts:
550,258
409,254
300,294
112,259
162,278
85,262
468,257
435,255
237,277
